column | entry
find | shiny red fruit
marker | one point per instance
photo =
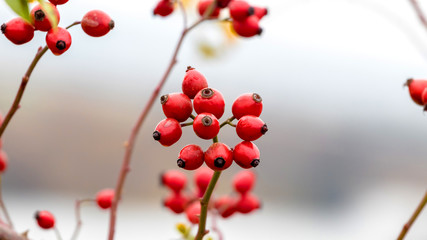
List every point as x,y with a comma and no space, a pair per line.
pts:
248,27
240,10
209,100
247,104
423,98
204,5
206,126
18,31
193,212
244,181
177,106
104,198
97,23
416,88
193,82
167,132
247,203
202,177
246,154
191,157
174,180
226,206
218,157
260,12
45,219
176,202
40,19
223,3
164,8
58,40
3,161
250,128
58,2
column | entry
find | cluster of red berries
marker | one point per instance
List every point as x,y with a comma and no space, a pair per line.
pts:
209,104
3,156
180,202
418,91
95,23
245,18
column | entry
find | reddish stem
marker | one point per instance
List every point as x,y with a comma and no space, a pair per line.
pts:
419,12
414,216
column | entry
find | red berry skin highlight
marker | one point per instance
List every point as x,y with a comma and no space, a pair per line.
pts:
260,12
206,126
250,128
45,219
40,20
247,203
18,31
244,181
209,100
174,180
202,177
193,212
3,161
240,10
204,5
104,198
246,154
190,157
177,106
193,82
164,8
248,27
167,132
218,157
58,40
176,202
416,88
247,104
96,23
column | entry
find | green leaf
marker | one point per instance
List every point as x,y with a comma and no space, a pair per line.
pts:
50,12
20,7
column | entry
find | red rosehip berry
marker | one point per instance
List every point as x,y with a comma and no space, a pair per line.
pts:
174,180
218,157
58,40
40,19
248,27
204,5
18,31
416,88
247,104
45,219
177,106
191,157
226,206
246,154
209,100
164,8
202,177
244,181
250,128
240,10
260,12
423,98
223,3
167,132
176,202
104,198
3,161
206,126
58,2
96,23
193,82
247,203
193,212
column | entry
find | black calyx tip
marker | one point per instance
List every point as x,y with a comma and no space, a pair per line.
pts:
251,11
259,31
189,68
37,215
266,11
3,28
156,135
164,99
255,163
256,97
408,82
162,178
425,108
180,163
264,129
61,45
207,93
39,15
219,162
206,121
111,24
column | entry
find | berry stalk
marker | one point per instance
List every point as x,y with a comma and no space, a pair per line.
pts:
419,12
130,143
3,207
78,216
414,216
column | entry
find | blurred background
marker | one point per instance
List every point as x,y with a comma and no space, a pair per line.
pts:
344,158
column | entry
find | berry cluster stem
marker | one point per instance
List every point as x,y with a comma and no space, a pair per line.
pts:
414,216
3,206
130,143
78,216
419,12
229,122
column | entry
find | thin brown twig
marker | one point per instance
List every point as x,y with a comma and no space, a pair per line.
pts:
130,143
3,206
414,216
78,216
419,12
